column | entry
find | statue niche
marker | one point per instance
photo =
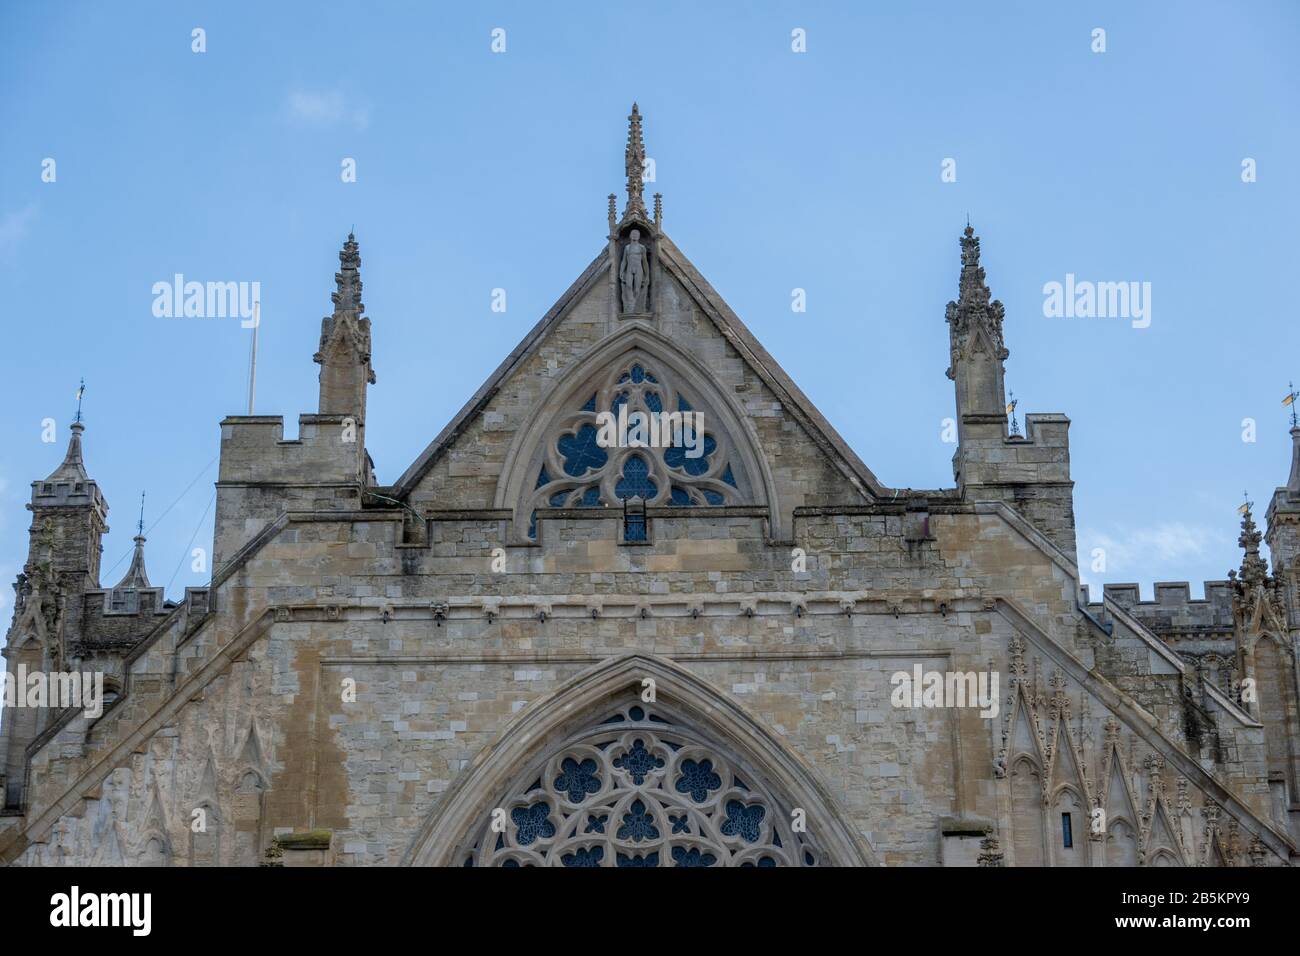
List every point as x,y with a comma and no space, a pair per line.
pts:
634,275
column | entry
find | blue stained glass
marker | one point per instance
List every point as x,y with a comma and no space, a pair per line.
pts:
636,713
619,401
728,477
675,457
510,865
764,862
650,859
591,404
654,402
596,824
532,525
590,857
683,405
638,825
577,779
638,374
636,480
680,824
557,499
634,528
743,821
591,497
713,497
681,498
581,451
638,762
685,857
542,478
698,779
532,822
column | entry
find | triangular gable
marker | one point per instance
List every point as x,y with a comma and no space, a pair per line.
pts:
729,326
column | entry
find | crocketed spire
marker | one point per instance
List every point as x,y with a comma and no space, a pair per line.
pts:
972,292
974,320
634,160
344,351
347,297
1254,570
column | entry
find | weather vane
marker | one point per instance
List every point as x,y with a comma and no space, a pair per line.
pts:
1245,506
1011,410
140,524
81,390
1291,396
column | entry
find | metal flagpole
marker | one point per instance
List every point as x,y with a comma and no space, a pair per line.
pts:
252,361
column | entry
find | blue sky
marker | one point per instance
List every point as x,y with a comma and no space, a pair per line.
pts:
817,170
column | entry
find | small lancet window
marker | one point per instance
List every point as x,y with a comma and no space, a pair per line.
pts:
1067,831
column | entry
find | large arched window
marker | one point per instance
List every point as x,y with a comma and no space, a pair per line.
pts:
635,431
638,788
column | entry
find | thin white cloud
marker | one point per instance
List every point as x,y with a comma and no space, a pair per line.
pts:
14,227
1144,554
326,109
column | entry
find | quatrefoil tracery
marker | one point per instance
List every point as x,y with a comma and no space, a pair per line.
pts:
578,471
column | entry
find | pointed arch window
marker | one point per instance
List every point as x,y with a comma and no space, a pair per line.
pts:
637,788
638,434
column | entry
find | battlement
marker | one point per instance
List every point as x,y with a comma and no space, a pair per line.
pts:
262,474
254,450
1031,473
1173,608
67,493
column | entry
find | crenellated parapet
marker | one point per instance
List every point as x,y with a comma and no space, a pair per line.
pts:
262,474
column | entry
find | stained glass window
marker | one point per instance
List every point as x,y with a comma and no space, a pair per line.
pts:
639,788
583,468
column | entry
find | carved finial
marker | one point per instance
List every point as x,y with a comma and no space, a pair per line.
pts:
974,317
971,288
659,209
347,295
613,213
1253,569
634,162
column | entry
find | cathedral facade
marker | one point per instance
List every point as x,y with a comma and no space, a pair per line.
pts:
638,604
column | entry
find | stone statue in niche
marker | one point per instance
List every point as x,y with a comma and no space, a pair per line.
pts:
634,274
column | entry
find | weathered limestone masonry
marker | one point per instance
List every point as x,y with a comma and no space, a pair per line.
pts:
538,647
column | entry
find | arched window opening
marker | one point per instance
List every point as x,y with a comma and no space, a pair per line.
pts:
638,434
637,788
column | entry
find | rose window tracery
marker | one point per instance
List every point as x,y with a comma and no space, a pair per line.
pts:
665,462
640,789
